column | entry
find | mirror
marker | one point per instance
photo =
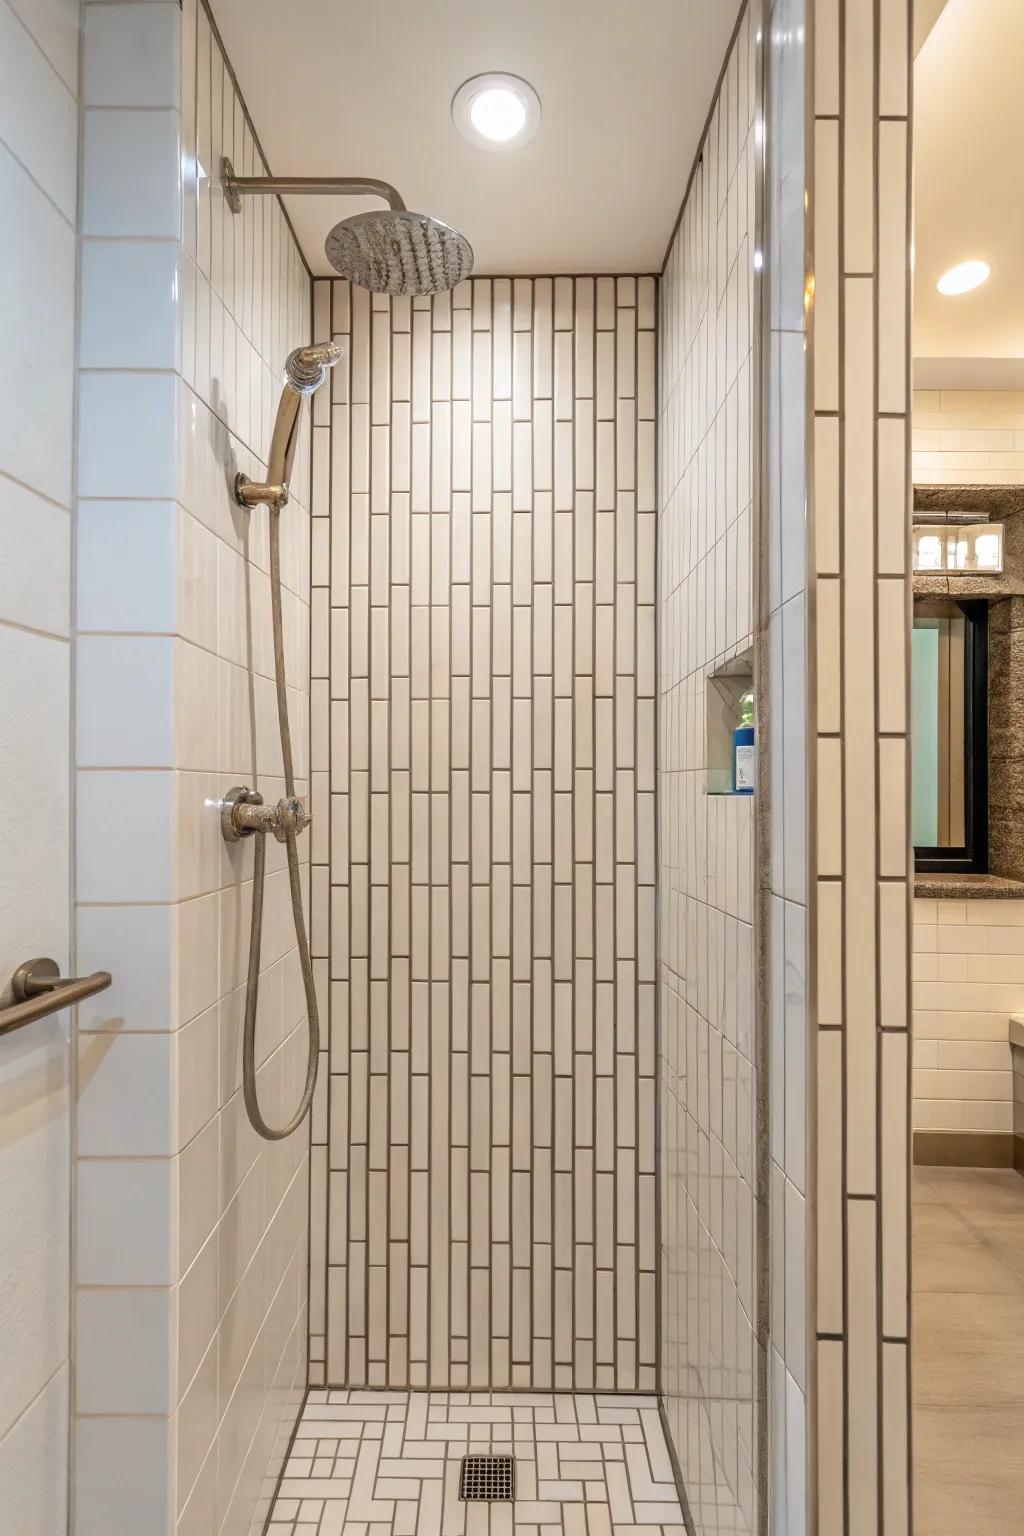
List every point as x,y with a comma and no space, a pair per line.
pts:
949,734
937,679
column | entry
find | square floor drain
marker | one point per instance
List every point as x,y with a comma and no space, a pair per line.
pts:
491,1479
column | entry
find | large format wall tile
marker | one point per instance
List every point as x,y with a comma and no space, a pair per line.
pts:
483,880
198,1225
39,45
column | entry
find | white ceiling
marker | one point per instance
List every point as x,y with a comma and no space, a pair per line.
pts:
969,194
338,88
926,14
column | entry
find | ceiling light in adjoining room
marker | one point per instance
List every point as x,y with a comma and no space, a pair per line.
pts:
962,278
496,111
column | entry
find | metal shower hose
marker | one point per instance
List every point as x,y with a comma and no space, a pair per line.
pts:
252,981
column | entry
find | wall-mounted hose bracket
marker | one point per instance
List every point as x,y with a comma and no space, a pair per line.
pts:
255,493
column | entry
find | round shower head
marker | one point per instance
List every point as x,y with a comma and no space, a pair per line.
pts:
395,251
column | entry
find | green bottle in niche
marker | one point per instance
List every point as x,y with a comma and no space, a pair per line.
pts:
744,749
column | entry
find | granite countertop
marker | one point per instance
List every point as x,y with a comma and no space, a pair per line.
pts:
957,887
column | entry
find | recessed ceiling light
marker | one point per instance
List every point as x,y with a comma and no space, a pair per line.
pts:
961,279
496,111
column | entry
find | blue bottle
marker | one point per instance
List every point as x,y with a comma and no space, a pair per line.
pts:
744,750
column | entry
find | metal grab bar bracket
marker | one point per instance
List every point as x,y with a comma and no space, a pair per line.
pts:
39,989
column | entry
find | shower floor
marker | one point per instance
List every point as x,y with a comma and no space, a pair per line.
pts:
387,1464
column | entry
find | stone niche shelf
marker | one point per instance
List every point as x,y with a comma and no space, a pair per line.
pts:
969,887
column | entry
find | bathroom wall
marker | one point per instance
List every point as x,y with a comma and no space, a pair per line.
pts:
968,980
38,167
483,781
192,1233
968,975
707,1061
968,437
858,958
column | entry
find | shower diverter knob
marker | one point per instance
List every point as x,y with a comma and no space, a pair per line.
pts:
291,817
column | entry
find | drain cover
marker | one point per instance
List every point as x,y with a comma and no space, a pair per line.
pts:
491,1479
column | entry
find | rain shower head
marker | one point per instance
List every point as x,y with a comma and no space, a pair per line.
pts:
395,251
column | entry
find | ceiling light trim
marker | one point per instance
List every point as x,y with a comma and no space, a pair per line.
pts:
520,91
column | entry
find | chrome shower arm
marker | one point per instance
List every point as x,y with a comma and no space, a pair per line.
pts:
338,186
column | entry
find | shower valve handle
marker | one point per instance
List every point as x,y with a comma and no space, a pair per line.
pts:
243,814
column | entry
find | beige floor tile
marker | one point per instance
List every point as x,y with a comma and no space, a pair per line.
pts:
969,1472
969,1349
1004,1234
950,1255
972,1191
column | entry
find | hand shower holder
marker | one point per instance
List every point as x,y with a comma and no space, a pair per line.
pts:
254,493
243,814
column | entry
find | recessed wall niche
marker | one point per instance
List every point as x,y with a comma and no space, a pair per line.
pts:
729,695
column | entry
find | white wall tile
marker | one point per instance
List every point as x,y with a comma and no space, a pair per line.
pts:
126,1231
188,314
126,1090
131,176
130,300
35,436
38,178
122,1474
707,1082
139,867
125,448
125,1355
132,55
125,702
38,113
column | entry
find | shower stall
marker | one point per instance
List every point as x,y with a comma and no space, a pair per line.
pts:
471,1097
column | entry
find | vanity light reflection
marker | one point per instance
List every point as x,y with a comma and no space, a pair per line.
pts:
975,549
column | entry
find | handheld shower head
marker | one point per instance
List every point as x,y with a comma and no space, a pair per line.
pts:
395,251
305,370
307,367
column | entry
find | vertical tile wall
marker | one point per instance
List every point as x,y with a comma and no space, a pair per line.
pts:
860,394
39,44
706,842
483,776
192,1233
784,868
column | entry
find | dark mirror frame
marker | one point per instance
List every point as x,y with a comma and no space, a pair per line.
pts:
972,859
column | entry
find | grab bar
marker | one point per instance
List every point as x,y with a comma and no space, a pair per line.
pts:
38,989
